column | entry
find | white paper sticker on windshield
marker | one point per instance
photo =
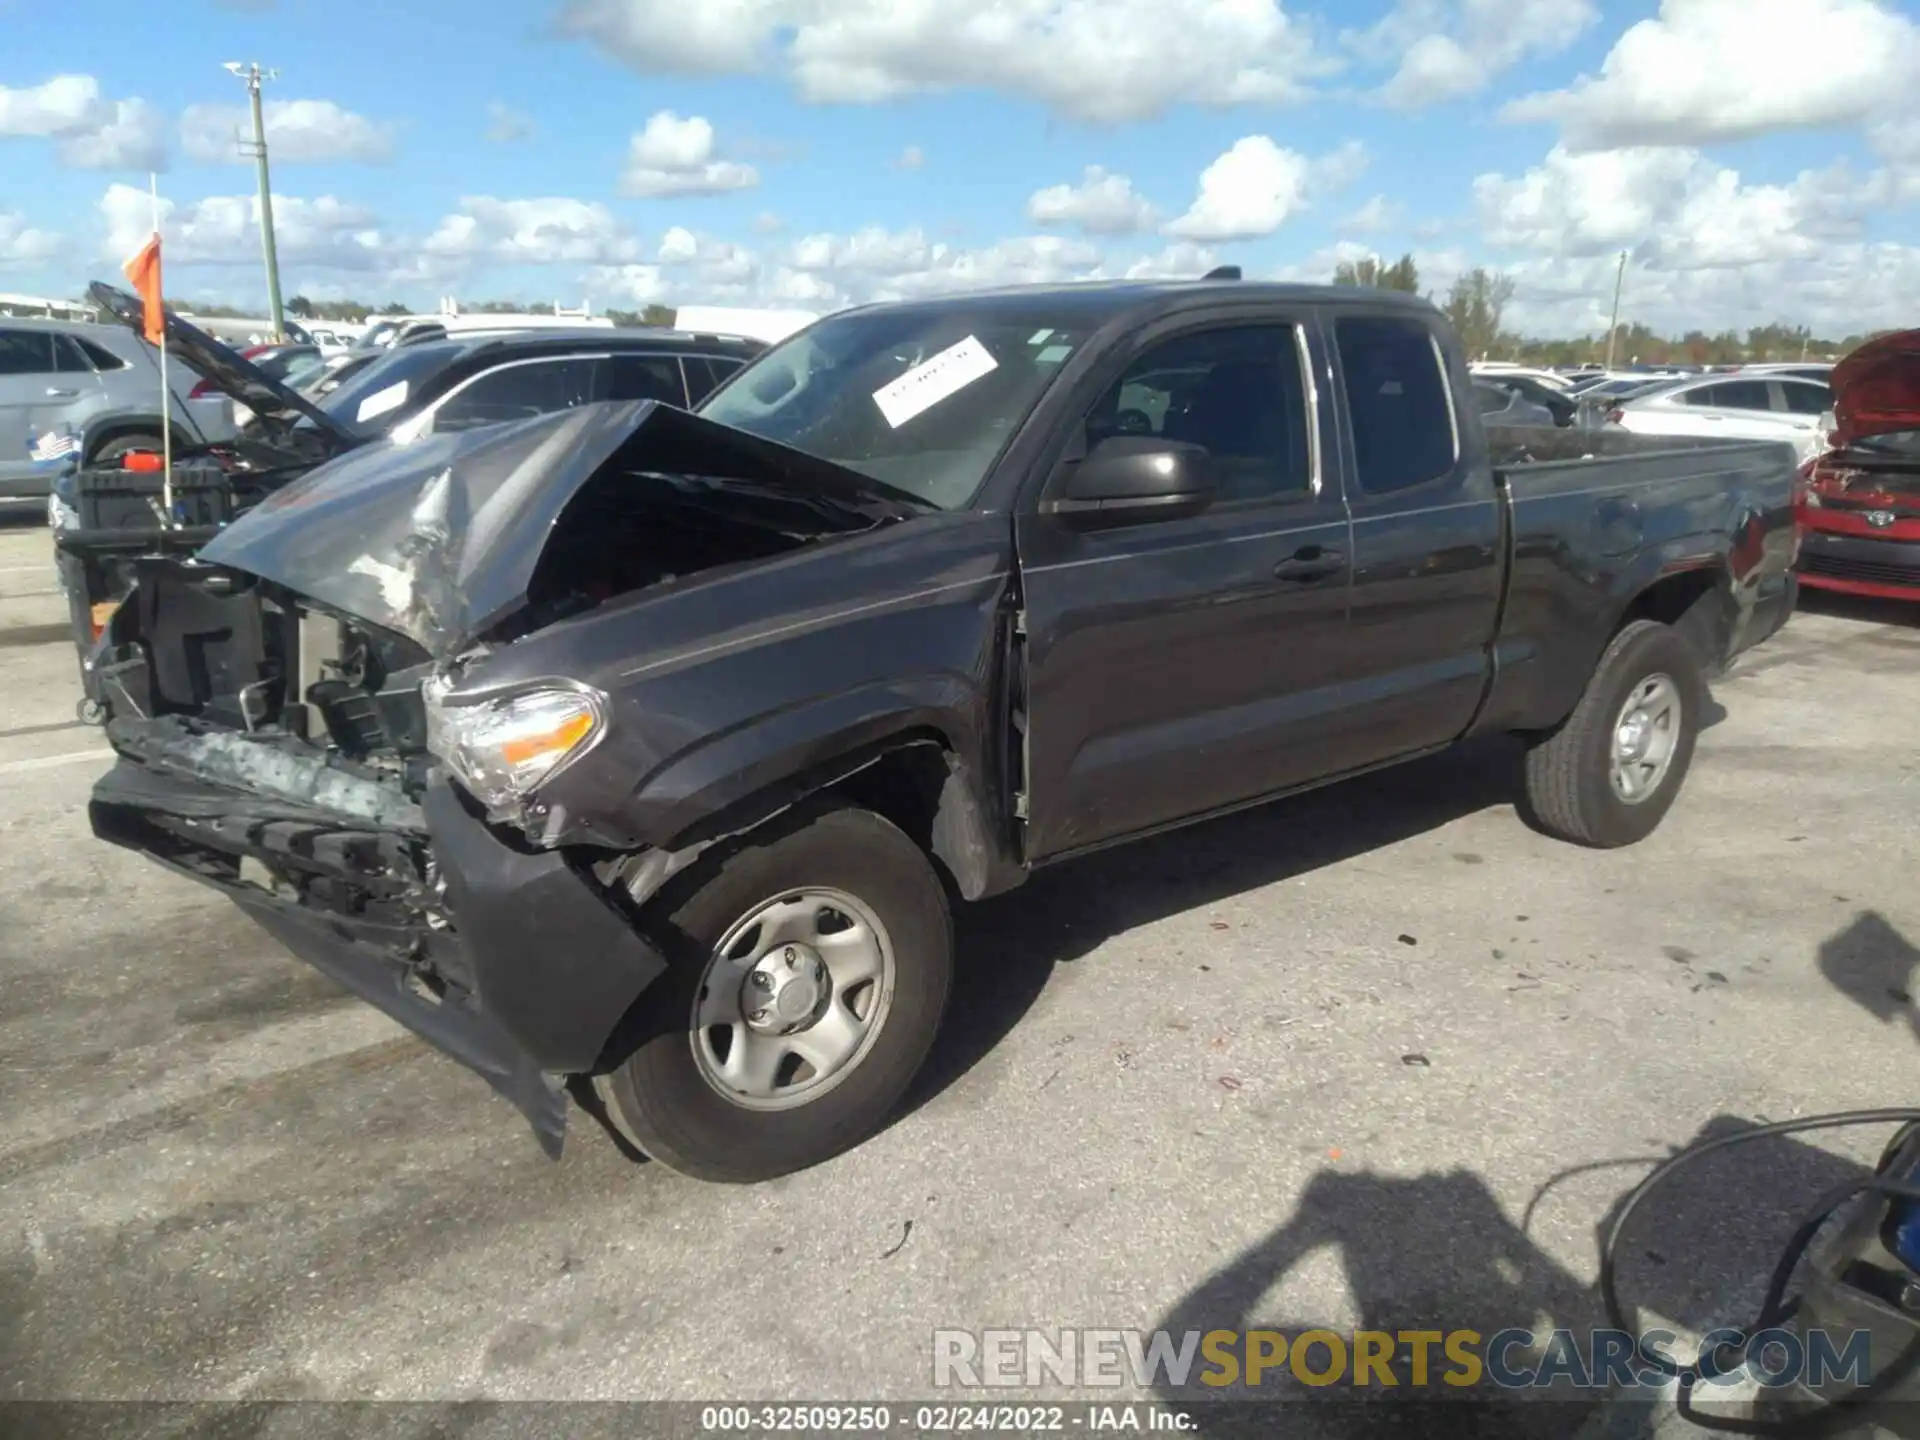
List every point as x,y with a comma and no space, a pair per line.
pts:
381,401
1039,337
932,381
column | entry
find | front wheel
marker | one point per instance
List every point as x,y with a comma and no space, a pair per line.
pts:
1609,774
808,973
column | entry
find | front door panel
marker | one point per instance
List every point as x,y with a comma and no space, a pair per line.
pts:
1176,667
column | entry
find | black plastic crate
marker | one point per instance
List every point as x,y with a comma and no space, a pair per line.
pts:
121,516
113,499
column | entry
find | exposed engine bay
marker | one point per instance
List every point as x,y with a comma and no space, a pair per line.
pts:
222,647
312,725
1876,479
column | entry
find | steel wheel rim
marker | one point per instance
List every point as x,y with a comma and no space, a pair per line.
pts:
1646,735
756,1039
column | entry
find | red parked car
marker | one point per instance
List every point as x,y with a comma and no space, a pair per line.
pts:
1859,507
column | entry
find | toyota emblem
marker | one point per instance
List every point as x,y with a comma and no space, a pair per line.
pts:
1879,519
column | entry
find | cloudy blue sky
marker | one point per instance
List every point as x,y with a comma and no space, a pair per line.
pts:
1758,157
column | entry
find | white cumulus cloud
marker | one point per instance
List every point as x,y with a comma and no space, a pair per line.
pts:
1704,71
1182,260
1107,60
548,231
89,131
1257,186
1674,208
22,244
1376,215
1448,49
298,132
225,230
676,156
1102,203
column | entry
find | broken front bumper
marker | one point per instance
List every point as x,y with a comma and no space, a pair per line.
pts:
524,968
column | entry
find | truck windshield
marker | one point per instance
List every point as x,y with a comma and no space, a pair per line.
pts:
923,400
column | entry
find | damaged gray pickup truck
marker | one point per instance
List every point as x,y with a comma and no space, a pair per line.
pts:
649,749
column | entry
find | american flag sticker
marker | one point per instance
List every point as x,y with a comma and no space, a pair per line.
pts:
53,446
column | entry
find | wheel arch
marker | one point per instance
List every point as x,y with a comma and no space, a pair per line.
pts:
1677,584
1697,601
915,777
105,429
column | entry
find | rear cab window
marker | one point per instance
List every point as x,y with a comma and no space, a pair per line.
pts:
1399,402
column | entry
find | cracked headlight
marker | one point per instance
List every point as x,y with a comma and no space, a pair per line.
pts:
503,747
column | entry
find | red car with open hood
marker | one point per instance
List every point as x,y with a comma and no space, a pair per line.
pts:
1859,506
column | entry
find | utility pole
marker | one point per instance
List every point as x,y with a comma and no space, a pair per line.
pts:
252,75
1613,326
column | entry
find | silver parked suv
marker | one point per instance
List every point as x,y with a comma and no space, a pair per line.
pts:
98,382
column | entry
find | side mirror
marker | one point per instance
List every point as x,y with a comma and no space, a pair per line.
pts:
1129,478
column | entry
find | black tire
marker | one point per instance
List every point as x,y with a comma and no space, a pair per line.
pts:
1569,784
658,1096
121,445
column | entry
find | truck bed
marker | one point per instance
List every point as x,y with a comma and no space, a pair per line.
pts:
1596,516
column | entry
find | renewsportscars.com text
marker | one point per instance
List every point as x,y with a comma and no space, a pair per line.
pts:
1509,1359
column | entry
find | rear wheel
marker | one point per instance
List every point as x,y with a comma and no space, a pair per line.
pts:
122,445
1609,774
809,970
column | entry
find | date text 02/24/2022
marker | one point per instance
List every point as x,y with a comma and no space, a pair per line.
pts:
939,1419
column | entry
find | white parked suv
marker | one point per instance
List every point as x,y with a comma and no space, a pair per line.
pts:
1740,406
98,383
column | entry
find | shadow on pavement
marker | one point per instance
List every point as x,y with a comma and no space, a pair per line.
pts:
1873,965
1438,1252
1008,946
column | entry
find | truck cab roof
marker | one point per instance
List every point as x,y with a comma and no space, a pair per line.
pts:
1101,301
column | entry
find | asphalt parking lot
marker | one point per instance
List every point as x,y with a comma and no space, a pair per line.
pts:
1341,1060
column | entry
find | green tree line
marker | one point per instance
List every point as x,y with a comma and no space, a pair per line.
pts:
1477,303
301,308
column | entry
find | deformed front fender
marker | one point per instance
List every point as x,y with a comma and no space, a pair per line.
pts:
748,776
742,692
801,749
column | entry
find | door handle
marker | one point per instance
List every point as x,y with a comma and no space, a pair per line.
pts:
62,394
1310,563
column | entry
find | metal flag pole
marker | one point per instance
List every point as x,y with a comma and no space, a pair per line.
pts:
166,387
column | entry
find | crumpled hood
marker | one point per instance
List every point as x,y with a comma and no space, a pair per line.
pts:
1876,389
437,539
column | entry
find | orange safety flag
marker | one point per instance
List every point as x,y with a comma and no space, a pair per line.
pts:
144,271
